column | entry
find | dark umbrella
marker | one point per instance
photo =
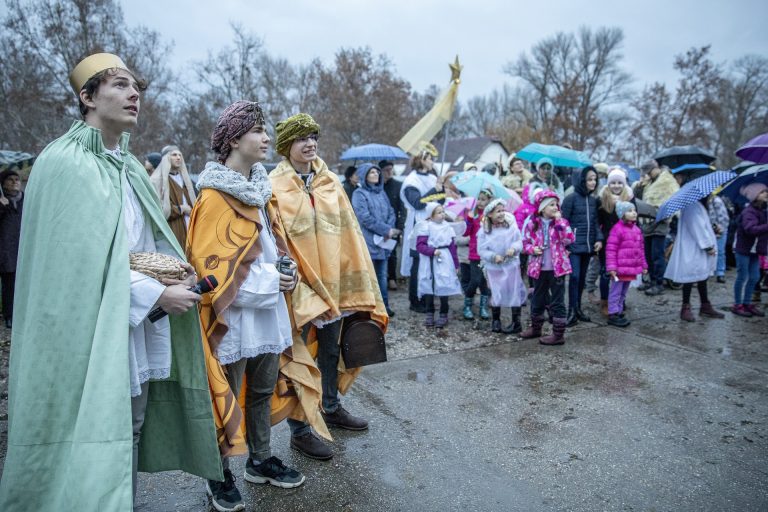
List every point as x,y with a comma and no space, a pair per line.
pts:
755,150
756,174
677,156
743,166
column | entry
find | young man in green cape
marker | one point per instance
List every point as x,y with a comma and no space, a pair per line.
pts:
95,388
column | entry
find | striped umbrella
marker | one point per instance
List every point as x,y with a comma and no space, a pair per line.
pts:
692,192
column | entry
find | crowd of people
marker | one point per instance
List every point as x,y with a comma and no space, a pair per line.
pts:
294,256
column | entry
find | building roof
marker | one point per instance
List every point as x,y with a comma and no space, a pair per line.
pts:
460,151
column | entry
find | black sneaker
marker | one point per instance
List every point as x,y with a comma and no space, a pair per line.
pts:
655,290
224,495
272,471
390,313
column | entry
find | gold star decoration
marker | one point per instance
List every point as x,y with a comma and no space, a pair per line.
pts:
456,70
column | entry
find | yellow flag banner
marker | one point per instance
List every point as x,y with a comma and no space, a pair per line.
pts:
434,120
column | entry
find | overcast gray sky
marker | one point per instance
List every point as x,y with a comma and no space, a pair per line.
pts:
422,36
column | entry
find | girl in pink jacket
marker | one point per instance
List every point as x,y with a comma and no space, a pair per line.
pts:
624,260
545,237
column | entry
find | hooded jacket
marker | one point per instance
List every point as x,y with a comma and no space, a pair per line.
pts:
625,251
373,210
580,209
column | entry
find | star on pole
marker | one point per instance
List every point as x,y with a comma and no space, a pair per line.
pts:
456,70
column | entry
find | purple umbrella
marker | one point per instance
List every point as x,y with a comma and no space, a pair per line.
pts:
756,150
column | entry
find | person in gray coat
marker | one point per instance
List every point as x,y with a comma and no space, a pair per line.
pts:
376,217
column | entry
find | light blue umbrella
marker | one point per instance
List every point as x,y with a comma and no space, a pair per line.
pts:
374,152
755,174
474,182
692,192
561,157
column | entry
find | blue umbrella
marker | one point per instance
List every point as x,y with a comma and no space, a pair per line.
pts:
755,174
374,152
474,182
561,157
692,192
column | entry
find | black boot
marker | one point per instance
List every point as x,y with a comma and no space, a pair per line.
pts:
496,326
581,315
572,319
515,327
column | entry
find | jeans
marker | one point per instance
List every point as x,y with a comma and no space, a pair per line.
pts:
720,268
577,279
380,267
260,377
616,296
476,279
328,351
747,273
593,273
548,289
658,263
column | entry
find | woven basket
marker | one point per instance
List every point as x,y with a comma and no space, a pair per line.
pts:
157,266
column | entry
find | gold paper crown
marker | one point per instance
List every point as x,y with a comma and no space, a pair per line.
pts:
426,147
91,65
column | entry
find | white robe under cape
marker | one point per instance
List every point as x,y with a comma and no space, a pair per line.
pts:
689,262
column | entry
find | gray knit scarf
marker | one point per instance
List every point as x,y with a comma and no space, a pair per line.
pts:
255,191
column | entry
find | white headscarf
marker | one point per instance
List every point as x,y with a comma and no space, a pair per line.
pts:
161,176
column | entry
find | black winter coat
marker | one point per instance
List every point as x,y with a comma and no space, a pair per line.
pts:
392,189
579,208
10,231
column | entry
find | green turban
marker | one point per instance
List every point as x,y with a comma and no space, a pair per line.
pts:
293,128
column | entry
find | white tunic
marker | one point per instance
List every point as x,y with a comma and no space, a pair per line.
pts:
437,275
423,183
258,318
689,262
149,352
504,279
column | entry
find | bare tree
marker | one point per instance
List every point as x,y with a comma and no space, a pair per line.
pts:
41,43
573,81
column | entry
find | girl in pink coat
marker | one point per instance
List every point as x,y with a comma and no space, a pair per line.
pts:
545,238
624,260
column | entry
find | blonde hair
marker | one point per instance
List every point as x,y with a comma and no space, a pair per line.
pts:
608,200
161,175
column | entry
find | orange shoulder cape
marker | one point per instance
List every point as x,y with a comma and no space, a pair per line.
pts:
223,241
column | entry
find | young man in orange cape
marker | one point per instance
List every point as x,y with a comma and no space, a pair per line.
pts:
235,235
333,282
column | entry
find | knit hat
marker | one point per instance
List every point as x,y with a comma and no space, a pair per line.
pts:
232,124
545,160
601,168
154,158
544,198
7,174
489,168
295,127
469,166
493,204
623,207
617,174
752,190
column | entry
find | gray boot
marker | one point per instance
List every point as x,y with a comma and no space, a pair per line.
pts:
484,313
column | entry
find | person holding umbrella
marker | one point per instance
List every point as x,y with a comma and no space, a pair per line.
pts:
546,176
751,242
694,254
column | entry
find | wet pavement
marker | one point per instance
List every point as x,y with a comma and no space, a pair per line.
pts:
663,415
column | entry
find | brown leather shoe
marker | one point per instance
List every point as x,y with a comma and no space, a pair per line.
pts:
686,313
311,446
342,419
707,310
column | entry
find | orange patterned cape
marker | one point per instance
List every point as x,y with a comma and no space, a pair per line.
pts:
223,240
323,236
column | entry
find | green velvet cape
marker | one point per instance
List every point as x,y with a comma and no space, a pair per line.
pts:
69,431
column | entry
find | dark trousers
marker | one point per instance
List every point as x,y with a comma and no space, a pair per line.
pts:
392,264
429,301
8,283
472,278
658,263
548,289
578,279
688,287
413,280
328,353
